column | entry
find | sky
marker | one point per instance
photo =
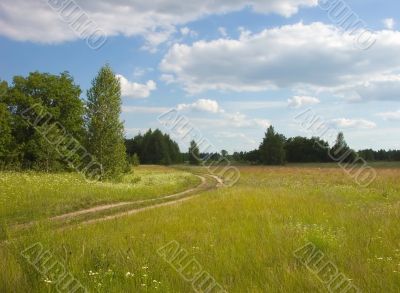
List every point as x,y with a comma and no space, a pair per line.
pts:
233,68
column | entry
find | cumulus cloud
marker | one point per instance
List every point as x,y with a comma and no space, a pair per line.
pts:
389,23
236,119
353,123
314,57
301,101
390,116
136,90
204,105
154,20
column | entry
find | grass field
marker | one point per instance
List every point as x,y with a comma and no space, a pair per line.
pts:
33,196
244,236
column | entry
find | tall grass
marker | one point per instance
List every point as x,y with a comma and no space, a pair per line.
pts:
243,236
31,196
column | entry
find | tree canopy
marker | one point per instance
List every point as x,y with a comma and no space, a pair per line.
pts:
154,147
272,148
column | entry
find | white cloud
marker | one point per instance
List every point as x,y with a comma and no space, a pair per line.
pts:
257,105
353,123
204,105
223,31
136,90
145,110
311,58
139,71
235,135
390,116
383,87
389,23
240,120
155,20
300,101
185,31
236,120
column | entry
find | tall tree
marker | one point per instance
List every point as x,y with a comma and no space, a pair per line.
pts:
194,153
57,98
105,130
272,149
341,151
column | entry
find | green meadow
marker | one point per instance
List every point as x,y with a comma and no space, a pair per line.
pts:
244,237
31,196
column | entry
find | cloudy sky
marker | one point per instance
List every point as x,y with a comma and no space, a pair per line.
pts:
233,67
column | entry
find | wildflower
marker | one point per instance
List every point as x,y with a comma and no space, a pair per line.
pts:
145,268
129,274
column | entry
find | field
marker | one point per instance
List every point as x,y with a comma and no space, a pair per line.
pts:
33,196
245,236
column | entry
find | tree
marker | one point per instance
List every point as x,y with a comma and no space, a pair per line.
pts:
224,153
341,151
134,160
194,153
58,99
105,130
306,150
154,147
6,138
272,151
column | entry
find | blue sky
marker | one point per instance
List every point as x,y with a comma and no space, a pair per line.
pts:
232,67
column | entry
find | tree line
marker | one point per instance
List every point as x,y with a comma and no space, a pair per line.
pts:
153,147
94,124
276,149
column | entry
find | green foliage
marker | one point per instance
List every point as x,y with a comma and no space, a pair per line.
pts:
304,150
272,149
154,147
194,154
105,130
134,160
341,151
6,137
58,99
381,155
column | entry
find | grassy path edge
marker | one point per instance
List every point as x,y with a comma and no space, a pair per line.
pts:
179,197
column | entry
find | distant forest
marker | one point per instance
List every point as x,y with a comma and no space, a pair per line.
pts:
154,147
94,125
